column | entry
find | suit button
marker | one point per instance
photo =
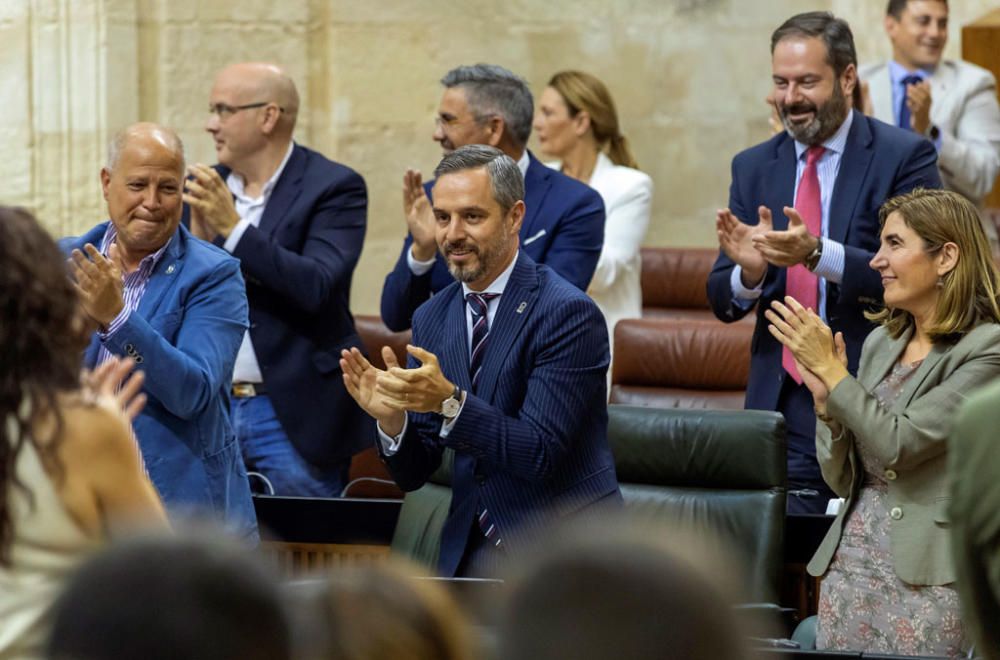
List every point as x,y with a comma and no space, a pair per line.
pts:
890,475
896,513
130,349
138,359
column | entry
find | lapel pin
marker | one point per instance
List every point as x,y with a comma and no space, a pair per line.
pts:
170,269
523,306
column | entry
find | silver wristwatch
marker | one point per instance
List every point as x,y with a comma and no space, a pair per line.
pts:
451,405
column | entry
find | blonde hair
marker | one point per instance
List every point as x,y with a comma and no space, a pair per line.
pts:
968,294
384,611
582,91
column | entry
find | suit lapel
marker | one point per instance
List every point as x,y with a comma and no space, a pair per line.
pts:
854,164
285,192
883,358
780,191
942,82
516,305
164,275
536,186
454,356
880,89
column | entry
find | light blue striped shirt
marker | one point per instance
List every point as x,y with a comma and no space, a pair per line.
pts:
831,263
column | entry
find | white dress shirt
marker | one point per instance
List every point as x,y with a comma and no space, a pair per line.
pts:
250,210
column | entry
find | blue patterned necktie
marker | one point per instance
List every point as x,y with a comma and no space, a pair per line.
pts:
479,305
904,110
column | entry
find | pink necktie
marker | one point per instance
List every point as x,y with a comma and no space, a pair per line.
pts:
799,282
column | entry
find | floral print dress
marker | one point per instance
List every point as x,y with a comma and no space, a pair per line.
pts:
863,605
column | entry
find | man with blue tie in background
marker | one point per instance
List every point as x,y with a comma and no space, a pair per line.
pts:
563,225
951,102
815,189
507,369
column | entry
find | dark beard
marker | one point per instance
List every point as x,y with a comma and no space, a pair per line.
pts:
828,119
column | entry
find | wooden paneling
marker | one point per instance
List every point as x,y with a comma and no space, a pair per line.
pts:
981,45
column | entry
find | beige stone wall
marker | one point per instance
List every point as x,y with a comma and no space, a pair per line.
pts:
689,77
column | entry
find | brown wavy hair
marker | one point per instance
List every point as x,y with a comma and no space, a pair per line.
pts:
969,292
584,92
41,337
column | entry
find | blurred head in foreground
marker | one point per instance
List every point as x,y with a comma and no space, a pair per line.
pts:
166,598
621,595
384,612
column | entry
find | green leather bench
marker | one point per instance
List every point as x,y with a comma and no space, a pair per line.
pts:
720,470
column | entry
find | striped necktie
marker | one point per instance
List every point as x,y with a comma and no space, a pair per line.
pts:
479,305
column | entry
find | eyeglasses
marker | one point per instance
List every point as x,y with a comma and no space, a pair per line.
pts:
225,111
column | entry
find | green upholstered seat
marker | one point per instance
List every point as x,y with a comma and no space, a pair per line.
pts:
720,470
724,470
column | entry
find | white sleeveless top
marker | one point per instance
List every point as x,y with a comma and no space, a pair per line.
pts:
46,547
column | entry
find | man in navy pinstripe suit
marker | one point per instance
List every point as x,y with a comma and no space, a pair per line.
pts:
507,368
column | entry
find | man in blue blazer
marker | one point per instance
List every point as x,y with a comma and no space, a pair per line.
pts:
563,225
177,306
858,163
507,369
296,221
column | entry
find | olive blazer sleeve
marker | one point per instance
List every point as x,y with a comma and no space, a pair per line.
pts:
909,440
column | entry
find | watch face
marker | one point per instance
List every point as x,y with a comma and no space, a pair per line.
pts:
450,406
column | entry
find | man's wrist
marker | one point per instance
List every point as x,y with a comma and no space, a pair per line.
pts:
393,425
811,260
421,253
751,279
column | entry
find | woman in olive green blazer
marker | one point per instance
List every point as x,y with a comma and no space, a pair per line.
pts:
881,438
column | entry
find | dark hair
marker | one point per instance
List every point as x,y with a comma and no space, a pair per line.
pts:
166,598
835,33
611,598
41,338
895,7
505,176
492,90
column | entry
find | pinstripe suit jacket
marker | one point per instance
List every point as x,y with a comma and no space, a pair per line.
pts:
531,442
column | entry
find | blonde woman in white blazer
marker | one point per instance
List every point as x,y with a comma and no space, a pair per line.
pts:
576,122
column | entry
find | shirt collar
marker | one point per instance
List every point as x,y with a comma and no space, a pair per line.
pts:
835,142
498,285
523,162
236,182
897,72
148,262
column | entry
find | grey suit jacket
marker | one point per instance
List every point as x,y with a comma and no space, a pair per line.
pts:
964,108
911,441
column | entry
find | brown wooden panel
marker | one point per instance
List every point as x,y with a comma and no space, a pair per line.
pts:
296,560
981,45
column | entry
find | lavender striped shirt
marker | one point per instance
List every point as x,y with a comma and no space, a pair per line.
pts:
135,286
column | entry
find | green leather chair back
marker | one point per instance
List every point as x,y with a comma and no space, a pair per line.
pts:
720,470
418,532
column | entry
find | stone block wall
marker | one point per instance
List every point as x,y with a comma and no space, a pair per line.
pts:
688,76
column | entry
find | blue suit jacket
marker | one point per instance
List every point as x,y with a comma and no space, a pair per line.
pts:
563,228
184,335
879,162
531,443
298,266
